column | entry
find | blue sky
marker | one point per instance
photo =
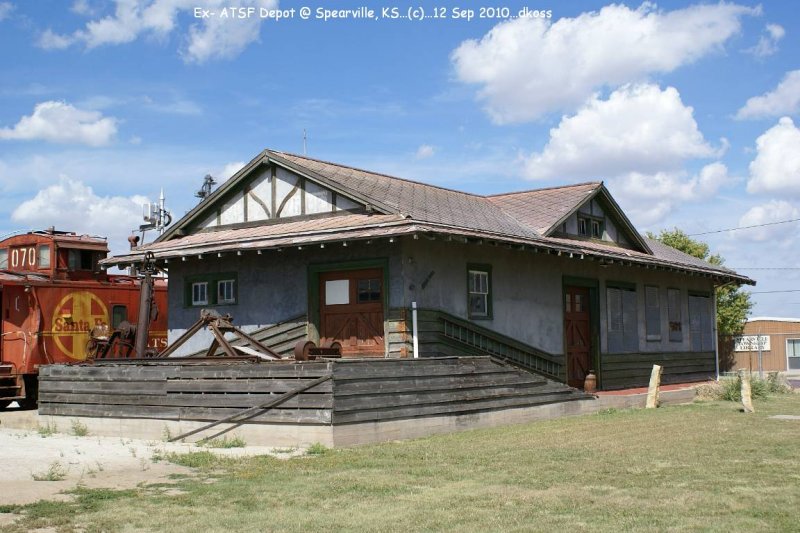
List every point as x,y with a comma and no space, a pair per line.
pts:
687,111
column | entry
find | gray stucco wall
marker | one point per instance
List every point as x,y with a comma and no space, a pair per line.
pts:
273,286
527,290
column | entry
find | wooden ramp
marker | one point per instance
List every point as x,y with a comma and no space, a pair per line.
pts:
357,391
387,389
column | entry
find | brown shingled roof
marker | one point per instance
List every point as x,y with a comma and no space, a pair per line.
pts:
404,207
541,209
420,201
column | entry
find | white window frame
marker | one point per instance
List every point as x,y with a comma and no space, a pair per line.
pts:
788,368
474,289
43,259
204,284
220,296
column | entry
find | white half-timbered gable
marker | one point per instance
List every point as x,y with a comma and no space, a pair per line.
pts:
271,192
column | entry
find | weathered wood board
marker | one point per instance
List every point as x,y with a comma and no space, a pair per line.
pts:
360,391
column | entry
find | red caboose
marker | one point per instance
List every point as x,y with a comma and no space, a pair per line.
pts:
52,294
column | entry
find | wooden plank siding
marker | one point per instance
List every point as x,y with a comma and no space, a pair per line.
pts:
186,391
619,371
391,389
361,389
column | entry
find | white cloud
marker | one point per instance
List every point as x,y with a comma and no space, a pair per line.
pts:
773,211
62,123
648,198
768,43
425,151
229,170
214,37
637,129
53,41
73,206
82,7
776,167
5,10
784,100
530,66
176,106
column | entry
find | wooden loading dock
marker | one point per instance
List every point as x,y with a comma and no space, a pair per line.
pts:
361,401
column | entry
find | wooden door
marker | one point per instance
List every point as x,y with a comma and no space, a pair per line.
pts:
577,332
351,311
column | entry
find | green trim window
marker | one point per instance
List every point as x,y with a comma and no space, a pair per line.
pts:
226,291
200,293
211,289
623,335
479,295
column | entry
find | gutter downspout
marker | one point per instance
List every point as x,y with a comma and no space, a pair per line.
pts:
716,337
415,336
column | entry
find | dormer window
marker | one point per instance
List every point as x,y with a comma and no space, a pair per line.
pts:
583,226
597,230
590,227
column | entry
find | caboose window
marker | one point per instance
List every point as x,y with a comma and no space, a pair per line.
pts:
80,260
4,258
44,256
119,314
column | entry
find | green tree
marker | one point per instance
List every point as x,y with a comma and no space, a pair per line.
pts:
733,304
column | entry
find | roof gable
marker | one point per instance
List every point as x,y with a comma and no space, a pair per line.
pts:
552,212
545,209
267,191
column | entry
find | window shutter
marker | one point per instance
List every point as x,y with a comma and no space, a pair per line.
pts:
629,315
652,313
674,313
615,320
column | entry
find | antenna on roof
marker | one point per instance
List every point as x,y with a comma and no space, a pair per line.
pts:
304,142
205,190
156,216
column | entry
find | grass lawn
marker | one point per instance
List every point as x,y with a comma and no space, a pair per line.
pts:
704,466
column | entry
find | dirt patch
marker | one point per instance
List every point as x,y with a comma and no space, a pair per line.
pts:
45,466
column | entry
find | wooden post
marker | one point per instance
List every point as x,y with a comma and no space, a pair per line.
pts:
747,400
652,391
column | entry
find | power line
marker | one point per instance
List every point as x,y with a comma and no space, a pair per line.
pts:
774,292
764,268
743,227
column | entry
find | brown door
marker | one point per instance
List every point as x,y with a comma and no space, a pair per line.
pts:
578,335
351,311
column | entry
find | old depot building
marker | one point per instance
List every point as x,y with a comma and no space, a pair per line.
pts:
556,280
